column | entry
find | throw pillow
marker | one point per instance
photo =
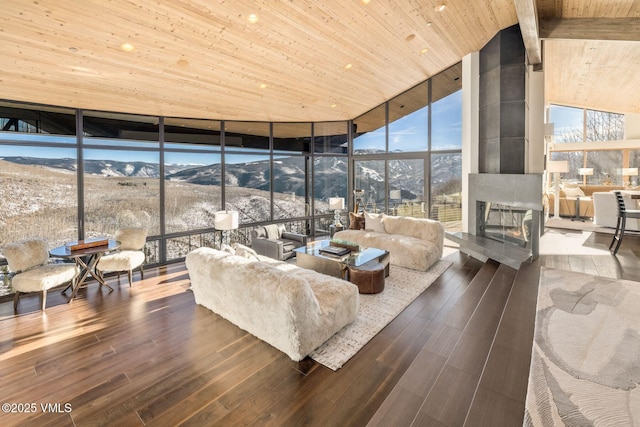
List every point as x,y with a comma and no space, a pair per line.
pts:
373,222
356,221
573,192
273,231
244,251
227,248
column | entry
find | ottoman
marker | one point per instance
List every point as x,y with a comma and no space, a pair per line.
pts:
369,277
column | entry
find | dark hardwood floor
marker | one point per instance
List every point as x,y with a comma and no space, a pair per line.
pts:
148,355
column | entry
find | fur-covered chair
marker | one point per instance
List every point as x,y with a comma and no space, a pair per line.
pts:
28,259
129,255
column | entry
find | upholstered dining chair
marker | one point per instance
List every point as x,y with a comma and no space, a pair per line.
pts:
623,214
28,259
129,255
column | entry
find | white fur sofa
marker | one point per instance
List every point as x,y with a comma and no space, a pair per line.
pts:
293,309
605,210
415,243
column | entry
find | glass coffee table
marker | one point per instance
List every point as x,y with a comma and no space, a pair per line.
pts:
312,258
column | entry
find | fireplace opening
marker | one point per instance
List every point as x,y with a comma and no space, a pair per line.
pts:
504,223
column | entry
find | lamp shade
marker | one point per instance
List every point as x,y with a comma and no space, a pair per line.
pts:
226,220
629,171
558,166
585,171
395,194
336,203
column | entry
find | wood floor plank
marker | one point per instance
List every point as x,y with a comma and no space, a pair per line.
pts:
494,410
399,410
449,398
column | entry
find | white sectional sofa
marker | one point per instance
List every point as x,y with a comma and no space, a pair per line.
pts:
414,243
605,210
293,309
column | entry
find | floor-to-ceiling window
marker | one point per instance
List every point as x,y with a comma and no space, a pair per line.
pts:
247,176
446,148
121,174
38,163
590,139
407,153
291,163
192,183
330,169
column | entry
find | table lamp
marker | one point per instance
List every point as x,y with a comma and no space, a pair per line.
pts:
337,204
225,221
585,172
626,173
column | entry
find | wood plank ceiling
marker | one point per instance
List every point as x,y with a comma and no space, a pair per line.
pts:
592,55
300,60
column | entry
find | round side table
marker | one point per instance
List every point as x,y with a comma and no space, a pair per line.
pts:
369,277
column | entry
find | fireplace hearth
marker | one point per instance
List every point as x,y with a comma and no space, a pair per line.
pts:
505,213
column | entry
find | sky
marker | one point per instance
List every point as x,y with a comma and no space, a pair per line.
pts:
564,119
405,134
408,133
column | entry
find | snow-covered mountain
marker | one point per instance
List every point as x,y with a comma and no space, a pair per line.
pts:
330,173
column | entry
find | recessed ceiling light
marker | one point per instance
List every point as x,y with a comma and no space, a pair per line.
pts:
182,62
429,24
73,49
252,18
333,105
424,50
348,66
440,7
263,86
365,1
127,47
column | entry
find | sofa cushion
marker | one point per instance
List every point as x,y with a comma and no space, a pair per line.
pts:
227,248
356,221
288,245
121,261
45,277
245,252
421,228
373,222
573,192
404,251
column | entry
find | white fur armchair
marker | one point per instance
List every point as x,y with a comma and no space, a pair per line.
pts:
129,256
28,259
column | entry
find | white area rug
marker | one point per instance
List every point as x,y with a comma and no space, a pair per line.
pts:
375,312
585,364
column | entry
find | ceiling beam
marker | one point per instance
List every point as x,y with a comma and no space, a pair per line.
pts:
528,18
614,29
